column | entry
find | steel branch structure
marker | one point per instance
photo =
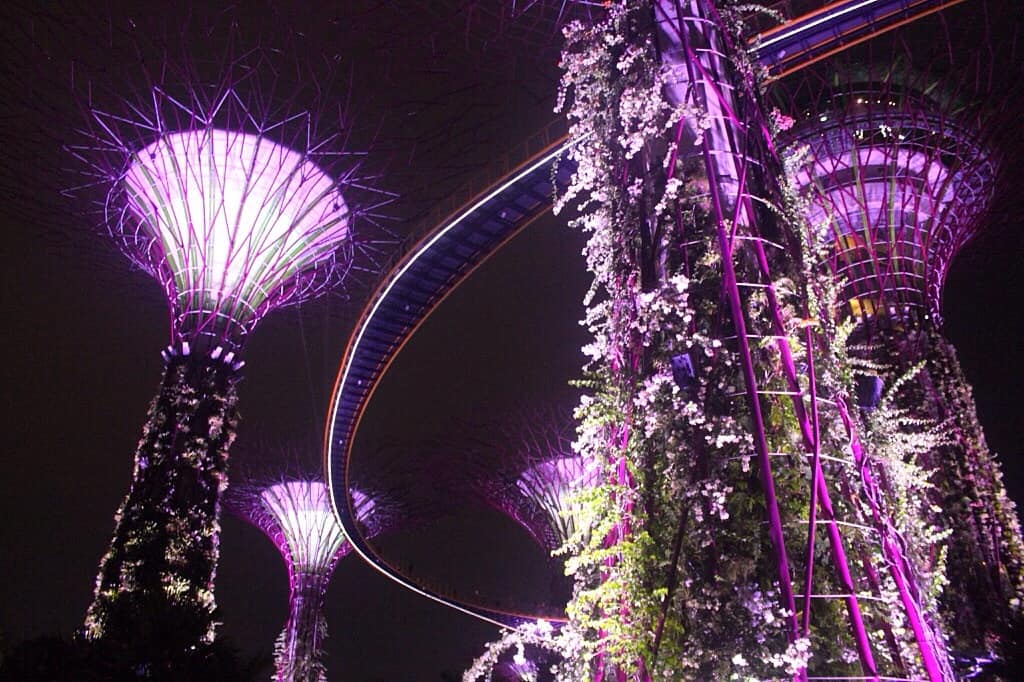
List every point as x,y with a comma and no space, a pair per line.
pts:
897,184
232,224
551,485
528,471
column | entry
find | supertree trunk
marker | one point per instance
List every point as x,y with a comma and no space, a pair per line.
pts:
155,585
982,602
298,655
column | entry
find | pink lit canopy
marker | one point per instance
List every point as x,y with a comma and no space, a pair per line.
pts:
233,225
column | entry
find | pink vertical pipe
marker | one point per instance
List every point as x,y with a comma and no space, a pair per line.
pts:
839,558
812,516
896,559
746,361
839,555
622,529
810,438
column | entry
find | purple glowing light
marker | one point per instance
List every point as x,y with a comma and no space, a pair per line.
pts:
310,536
897,188
553,485
297,516
231,222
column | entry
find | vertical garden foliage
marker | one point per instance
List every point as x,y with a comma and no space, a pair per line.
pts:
673,573
676,578
982,599
983,607
155,585
611,74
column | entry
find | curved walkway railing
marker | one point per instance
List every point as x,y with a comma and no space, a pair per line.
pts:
455,242
435,265
835,27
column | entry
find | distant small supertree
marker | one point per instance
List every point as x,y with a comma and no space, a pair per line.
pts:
223,181
294,511
527,470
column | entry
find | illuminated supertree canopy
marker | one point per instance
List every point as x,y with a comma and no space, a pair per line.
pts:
529,471
295,513
900,183
232,224
552,484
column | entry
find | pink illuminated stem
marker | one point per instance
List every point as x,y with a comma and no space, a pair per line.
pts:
767,480
809,434
896,557
624,480
816,481
839,557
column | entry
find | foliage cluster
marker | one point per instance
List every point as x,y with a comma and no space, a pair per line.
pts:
164,553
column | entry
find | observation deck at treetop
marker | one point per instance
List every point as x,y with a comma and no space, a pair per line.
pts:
451,247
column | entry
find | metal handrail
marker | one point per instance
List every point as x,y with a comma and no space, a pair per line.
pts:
554,132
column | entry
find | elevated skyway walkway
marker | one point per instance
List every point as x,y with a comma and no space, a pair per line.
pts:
835,27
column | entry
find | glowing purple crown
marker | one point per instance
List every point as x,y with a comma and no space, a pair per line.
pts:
543,498
896,187
232,225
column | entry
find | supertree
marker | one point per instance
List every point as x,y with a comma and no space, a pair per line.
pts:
899,157
222,179
294,510
526,469
750,525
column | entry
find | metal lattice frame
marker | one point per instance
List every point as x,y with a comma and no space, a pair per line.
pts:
235,207
905,155
897,185
732,151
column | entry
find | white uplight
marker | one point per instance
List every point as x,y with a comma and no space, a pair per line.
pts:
236,217
303,512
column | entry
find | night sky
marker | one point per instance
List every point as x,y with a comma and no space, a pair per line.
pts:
82,333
